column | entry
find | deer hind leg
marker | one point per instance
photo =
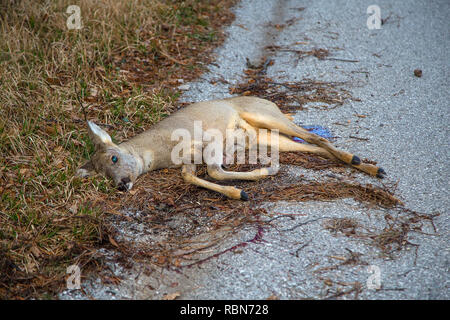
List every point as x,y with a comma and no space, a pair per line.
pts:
287,127
286,144
188,173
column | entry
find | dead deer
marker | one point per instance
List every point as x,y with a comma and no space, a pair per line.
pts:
152,149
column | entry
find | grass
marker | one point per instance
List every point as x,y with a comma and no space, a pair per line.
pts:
123,63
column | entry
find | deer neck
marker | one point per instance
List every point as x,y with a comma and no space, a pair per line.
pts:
148,149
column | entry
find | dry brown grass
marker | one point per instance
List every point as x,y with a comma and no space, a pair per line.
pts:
124,62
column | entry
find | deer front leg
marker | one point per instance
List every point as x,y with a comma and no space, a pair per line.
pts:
215,171
188,173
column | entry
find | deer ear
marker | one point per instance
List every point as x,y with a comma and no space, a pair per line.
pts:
86,170
98,136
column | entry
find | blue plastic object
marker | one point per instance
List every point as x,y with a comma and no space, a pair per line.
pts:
319,130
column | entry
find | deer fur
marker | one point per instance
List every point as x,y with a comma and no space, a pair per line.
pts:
151,150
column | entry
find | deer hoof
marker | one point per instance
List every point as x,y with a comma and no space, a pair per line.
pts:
356,160
381,173
244,195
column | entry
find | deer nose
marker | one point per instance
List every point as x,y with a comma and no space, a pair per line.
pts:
124,184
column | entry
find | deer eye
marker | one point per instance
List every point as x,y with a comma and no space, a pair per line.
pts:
114,159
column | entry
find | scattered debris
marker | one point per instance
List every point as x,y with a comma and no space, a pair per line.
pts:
343,60
358,138
402,91
184,87
347,226
291,96
171,296
319,53
391,19
418,73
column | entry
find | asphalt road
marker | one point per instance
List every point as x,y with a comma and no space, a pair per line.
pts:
405,129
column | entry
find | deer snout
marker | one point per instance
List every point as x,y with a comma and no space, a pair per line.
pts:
125,184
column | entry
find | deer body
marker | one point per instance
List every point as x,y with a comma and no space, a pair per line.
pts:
218,115
152,149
